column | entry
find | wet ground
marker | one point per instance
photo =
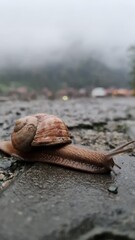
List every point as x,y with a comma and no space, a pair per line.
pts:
42,201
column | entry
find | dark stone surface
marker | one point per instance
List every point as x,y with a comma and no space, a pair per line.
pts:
49,202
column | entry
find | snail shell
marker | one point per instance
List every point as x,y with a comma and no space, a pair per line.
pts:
39,130
45,138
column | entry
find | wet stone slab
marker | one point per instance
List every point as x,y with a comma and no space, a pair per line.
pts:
41,201
49,202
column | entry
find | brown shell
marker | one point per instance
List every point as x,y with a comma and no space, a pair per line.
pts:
39,130
51,130
24,132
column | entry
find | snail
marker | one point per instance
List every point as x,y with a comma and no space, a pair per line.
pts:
45,138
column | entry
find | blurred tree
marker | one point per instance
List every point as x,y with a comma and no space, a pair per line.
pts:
86,73
132,59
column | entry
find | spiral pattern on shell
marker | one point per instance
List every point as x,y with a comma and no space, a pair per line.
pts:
39,130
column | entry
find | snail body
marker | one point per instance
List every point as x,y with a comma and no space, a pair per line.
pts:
45,138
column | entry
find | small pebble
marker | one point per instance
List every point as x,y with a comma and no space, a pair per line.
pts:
6,184
5,163
22,108
113,189
1,176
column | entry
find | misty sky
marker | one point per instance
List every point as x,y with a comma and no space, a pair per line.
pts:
32,31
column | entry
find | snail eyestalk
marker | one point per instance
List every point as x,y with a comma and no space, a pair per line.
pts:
121,149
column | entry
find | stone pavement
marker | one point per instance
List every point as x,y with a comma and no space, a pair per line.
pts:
42,201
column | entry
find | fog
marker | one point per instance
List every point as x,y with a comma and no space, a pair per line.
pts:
36,32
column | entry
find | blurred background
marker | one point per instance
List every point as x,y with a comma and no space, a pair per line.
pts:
67,48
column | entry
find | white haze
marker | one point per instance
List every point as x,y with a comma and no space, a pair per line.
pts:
36,32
